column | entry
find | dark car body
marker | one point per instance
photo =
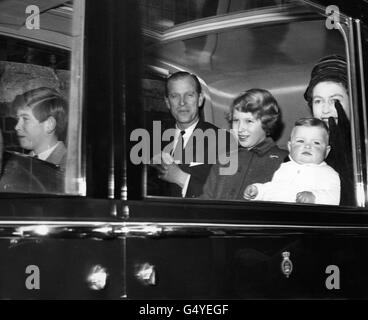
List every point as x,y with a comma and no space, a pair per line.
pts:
149,247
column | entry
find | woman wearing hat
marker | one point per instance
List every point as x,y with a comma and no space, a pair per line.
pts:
328,97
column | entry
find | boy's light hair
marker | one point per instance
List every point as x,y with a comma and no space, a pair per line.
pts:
312,122
44,103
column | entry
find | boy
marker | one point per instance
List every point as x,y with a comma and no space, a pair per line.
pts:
306,178
41,125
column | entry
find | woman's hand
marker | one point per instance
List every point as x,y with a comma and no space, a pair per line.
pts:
340,137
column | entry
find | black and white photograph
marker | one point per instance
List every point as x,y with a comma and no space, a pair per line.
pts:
181,155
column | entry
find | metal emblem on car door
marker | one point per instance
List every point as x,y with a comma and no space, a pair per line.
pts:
286,264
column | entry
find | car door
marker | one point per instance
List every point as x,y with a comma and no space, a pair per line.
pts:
56,238
101,234
195,249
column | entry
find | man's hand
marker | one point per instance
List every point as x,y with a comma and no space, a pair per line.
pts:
162,158
168,170
160,162
305,197
172,173
250,192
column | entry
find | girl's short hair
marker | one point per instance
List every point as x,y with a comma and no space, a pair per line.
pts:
44,103
261,104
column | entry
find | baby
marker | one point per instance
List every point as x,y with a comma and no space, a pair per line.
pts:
306,178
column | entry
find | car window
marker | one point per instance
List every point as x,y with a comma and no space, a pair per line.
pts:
40,94
274,48
163,15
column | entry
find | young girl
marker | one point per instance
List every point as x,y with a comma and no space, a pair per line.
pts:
254,116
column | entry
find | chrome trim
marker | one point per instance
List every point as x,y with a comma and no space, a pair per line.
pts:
125,212
230,21
111,177
124,290
49,42
321,9
355,128
145,181
114,210
126,156
123,230
52,37
348,38
76,174
362,87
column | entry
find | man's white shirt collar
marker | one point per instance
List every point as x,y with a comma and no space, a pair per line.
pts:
186,135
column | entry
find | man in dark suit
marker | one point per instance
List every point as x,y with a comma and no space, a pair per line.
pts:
185,177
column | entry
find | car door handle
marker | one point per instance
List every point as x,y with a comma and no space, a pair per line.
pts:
146,274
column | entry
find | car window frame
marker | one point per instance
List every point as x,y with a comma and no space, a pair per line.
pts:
75,178
191,29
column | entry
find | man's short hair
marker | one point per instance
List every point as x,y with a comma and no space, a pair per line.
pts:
44,103
181,75
261,104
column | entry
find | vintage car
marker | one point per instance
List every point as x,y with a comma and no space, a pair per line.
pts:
95,230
